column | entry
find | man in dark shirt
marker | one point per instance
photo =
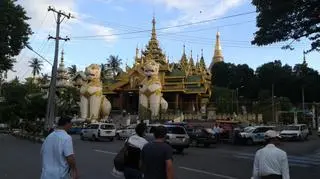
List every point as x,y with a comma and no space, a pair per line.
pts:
156,157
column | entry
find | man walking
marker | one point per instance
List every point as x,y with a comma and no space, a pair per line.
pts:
58,161
271,162
156,157
134,145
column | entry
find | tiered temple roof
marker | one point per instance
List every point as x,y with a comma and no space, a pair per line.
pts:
184,77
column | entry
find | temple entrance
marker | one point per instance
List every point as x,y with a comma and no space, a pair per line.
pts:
131,102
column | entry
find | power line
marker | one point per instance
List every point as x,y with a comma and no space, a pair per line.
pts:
165,28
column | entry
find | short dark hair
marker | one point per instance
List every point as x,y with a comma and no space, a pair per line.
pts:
160,132
64,120
141,129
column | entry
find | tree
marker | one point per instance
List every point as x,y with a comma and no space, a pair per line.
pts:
14,33
72,70
45,79
288,19
114,62
36,66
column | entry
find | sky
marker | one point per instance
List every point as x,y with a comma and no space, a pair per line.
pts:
100,28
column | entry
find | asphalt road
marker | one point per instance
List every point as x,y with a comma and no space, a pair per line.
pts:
19,159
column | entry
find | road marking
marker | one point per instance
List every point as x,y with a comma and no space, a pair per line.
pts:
207,173
105,152
300,161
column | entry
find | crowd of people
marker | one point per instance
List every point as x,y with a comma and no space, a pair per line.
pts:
147,160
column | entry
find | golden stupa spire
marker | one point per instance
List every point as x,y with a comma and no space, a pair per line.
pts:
217,57
184,60
202,62
191,63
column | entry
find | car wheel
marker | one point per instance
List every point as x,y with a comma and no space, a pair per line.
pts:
194,143
81,137
111,139
249,141
118,136
94,138
206,145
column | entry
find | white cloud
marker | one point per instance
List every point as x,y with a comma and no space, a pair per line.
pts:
104,31
197,10
119,8
43,23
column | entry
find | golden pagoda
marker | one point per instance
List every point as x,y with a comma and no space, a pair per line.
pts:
217,57
186,87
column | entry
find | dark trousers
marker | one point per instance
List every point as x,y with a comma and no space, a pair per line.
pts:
130,173
272,177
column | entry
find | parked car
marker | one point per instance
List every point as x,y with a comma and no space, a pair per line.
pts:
4,128
97,131
295,132
126,132
252,135
201,136
319,131
177,136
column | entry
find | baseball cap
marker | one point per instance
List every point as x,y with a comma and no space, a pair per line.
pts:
271,134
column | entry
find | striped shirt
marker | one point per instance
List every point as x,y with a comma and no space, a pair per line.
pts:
271,160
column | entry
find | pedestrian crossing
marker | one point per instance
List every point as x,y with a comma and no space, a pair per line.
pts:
312,160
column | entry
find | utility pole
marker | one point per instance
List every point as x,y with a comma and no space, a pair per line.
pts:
303,104
272,99
50,113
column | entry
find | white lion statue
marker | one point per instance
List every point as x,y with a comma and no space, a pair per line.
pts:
94,106
150,91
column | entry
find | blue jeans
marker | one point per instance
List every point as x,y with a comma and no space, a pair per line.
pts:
130,173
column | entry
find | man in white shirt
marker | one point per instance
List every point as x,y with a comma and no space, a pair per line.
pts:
271,162
58,161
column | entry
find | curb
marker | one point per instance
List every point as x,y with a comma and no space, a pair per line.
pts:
28,137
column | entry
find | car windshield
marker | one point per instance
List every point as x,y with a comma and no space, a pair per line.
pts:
176,130
249,129
292,128
107,126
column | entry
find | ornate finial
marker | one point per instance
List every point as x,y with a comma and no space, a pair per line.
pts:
191,63
62,58
191,53
153,34
201,52
137,52
184,49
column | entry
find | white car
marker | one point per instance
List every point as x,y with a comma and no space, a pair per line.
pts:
96,131
319,131
295,132
252,135
126,132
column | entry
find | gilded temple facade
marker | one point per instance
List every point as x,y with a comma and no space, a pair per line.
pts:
186,86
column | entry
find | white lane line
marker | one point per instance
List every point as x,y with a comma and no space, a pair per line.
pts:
207,173
105,152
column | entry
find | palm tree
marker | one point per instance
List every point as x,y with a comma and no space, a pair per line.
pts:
103,69
36,66
72,70
114,62
45,79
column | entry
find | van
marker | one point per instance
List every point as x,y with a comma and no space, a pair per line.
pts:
97,131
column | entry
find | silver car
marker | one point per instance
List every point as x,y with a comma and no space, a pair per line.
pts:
177,136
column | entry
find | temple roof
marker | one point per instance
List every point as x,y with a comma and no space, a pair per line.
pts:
153,51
